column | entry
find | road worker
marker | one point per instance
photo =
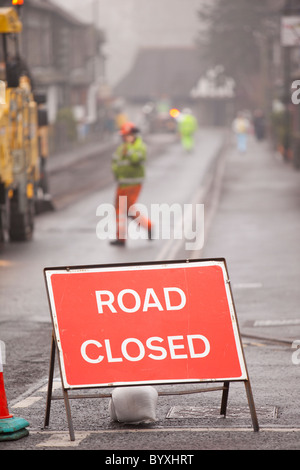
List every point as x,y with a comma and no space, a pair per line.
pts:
128,166
187,126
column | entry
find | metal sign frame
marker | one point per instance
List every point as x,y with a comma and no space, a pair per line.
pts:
56,345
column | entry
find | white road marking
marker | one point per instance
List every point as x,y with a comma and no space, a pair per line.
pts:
56,385
247,285
62,438
283,322
171,247
26,402
31,399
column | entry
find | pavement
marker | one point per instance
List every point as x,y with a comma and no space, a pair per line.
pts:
256,227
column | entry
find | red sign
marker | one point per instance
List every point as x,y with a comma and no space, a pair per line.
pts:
149,323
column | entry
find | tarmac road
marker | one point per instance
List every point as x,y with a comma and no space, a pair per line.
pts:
78,172
251,198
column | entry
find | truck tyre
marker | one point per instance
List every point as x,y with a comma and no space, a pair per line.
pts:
21,224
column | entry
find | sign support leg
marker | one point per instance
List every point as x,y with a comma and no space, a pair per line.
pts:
69,417
49,394
251,405
224,399
50,382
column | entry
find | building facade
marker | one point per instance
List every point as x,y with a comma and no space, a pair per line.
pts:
65,60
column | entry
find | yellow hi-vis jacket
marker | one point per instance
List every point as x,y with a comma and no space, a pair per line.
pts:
128,163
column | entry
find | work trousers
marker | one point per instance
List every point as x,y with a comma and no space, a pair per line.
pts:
126,198
187,141
241,141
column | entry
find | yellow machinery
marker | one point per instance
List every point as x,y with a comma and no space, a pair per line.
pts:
22,140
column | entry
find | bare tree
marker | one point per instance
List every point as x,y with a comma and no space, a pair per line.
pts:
238,34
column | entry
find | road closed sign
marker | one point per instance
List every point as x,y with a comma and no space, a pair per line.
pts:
145,323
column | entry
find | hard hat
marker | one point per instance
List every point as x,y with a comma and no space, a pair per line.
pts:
174,113
128,128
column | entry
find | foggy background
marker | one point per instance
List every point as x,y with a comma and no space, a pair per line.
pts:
95,59
131,24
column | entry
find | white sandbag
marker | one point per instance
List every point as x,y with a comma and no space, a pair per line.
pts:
133,405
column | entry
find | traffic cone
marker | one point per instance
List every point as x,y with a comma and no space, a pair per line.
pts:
11,428
4,413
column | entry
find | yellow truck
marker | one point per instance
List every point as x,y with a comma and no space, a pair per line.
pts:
23,137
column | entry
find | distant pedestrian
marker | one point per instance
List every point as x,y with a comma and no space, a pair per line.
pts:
187,126
241,128
259,124
128,167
